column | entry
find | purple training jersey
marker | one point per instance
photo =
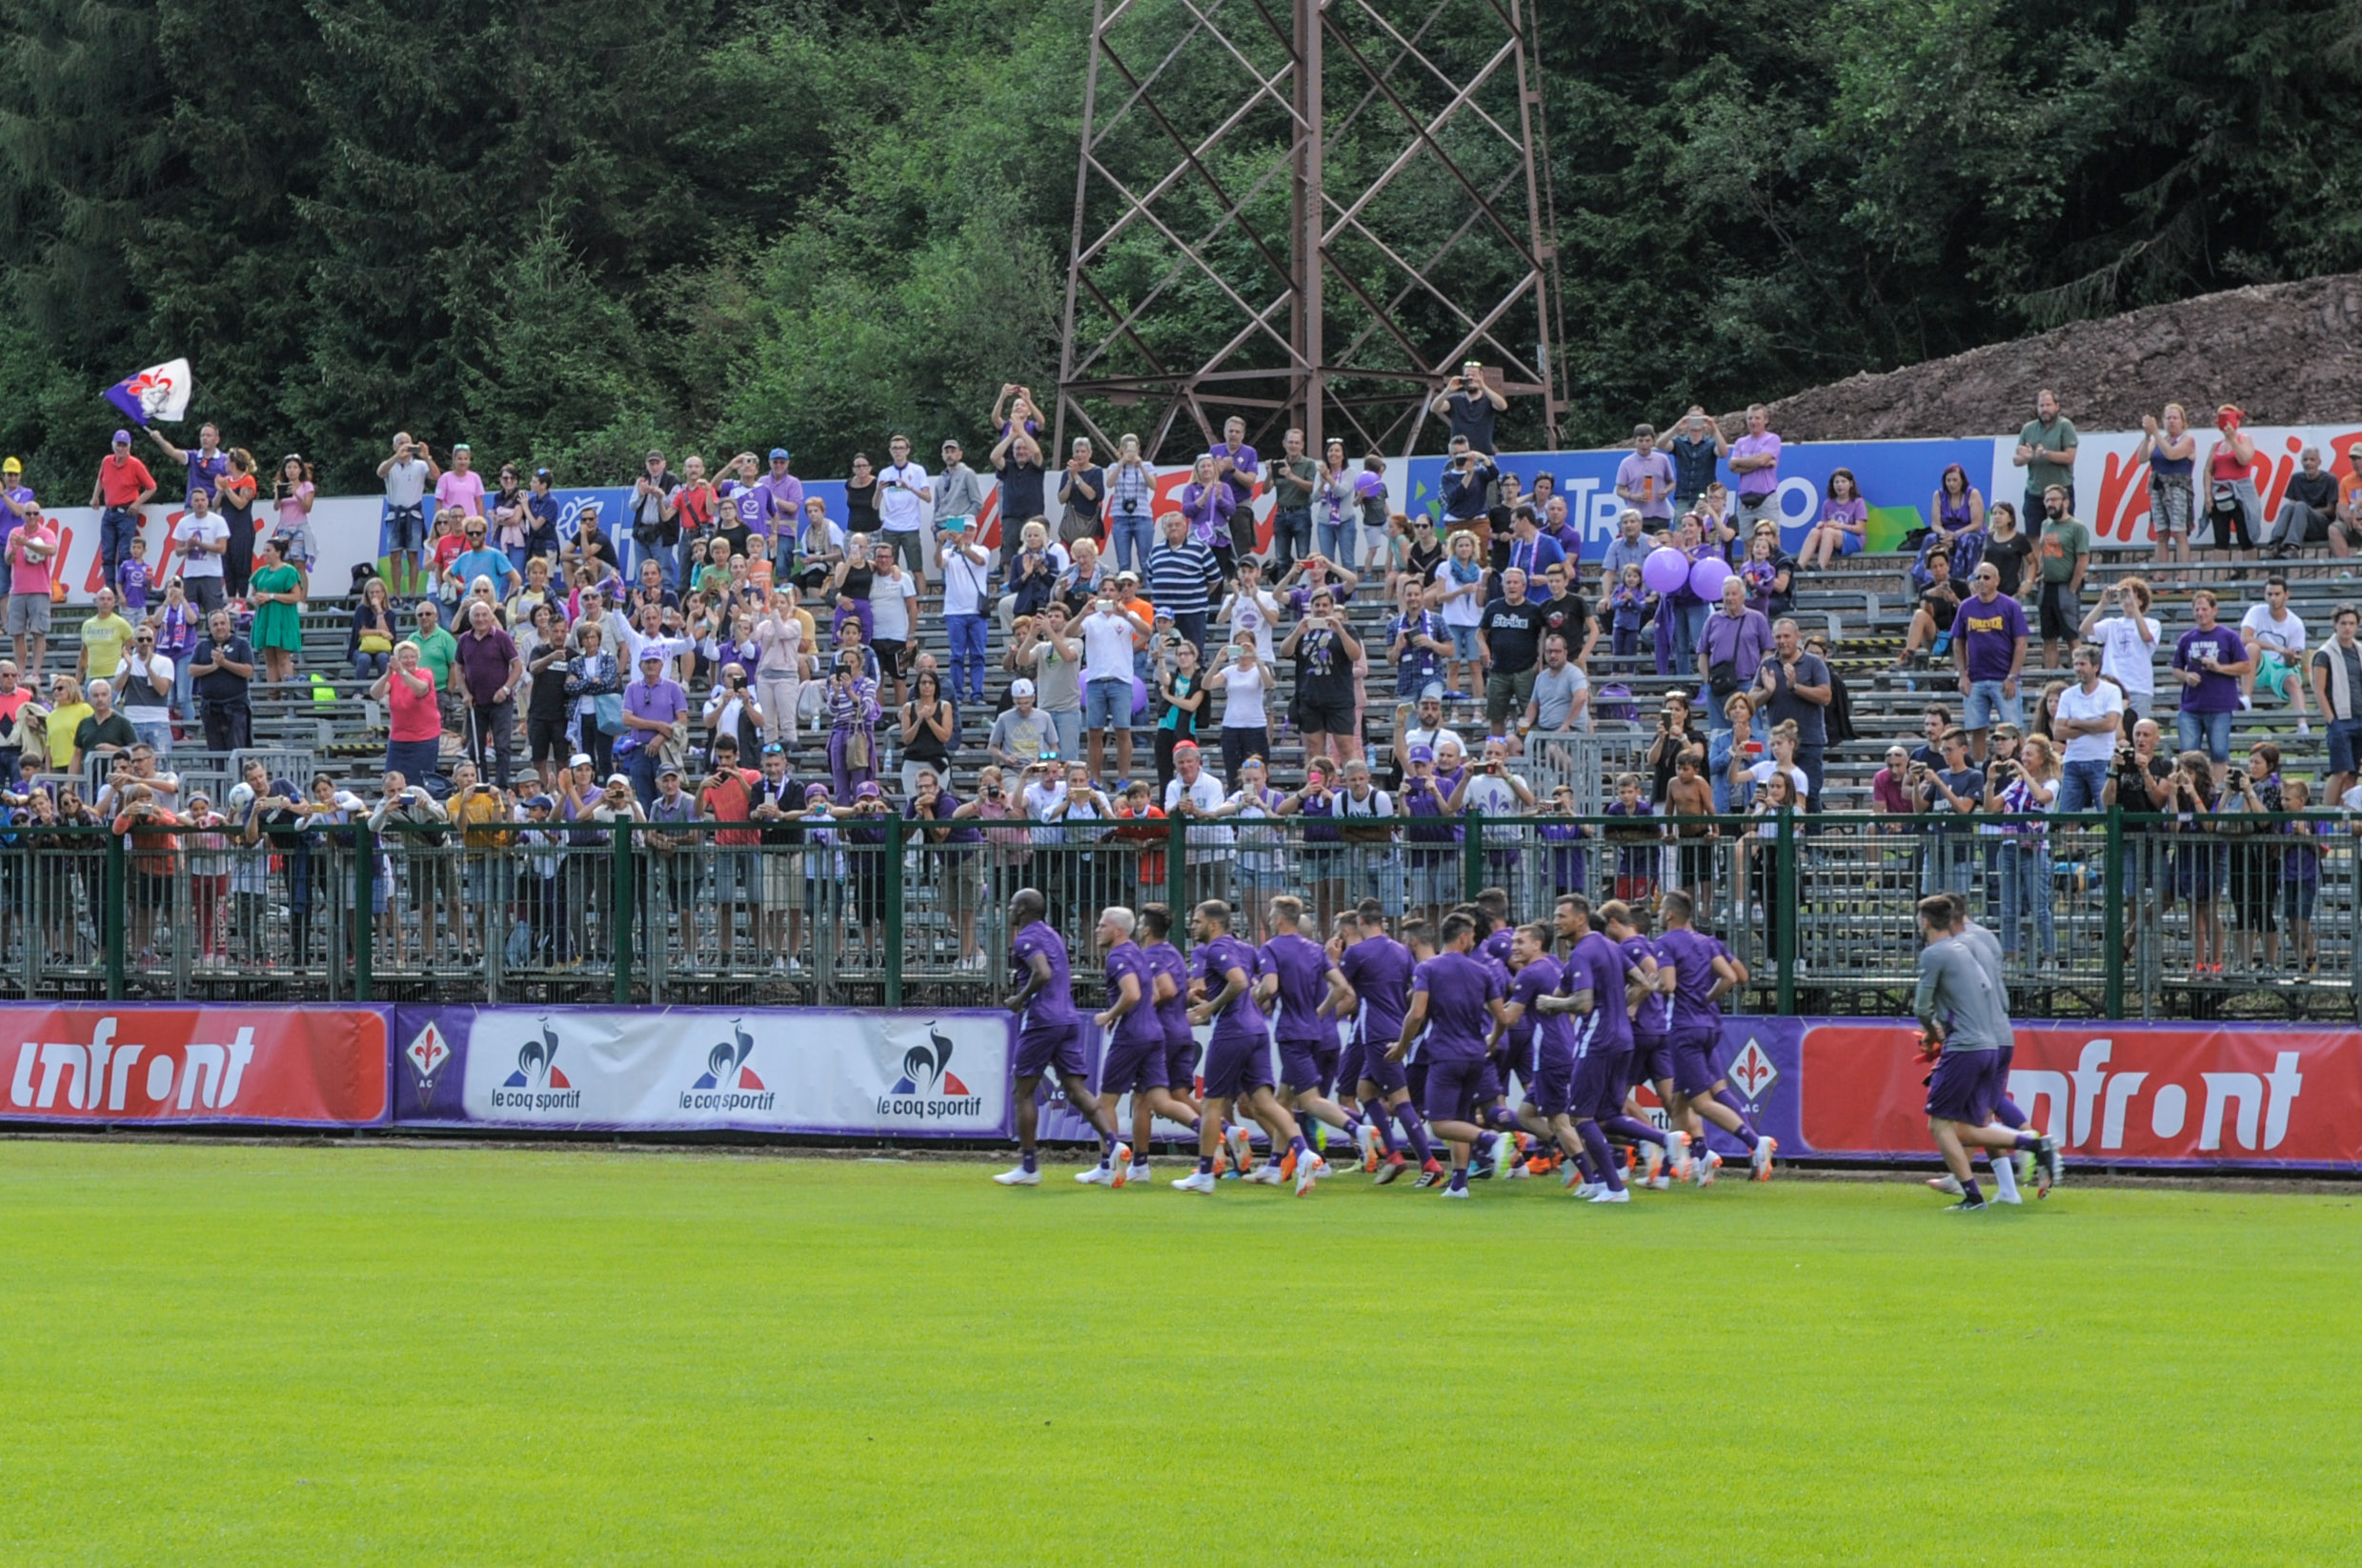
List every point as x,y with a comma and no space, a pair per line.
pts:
1053,1006
1692,955
1211,963
1140,1025
1460,989
1301,966
1654,1018
1378,969
1173,1012
1536,980
1597,963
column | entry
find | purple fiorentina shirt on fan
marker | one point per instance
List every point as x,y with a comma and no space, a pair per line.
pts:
1212,963
1459,988
1052,1008
2215,694
1173,1012
1598,964
1140,1025
1302,965
1692,955
1378,969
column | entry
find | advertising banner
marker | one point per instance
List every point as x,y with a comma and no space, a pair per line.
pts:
687,1069
115,1063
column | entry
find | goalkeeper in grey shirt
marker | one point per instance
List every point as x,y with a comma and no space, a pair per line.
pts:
1964,1022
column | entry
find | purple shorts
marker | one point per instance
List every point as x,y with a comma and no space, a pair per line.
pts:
1328,1055
1453,1086
1652,1059
1966,1087
1386,1077
1492,1081
1132,1066
1055,1050
1601,1079
1233,1067
1300,1065
1180,1063
1695,1071
1552,1080
1349,1069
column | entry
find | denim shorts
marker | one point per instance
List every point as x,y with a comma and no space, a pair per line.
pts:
1464,642
1985,705
1107,705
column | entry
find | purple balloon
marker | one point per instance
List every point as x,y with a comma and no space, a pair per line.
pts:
1707,578
1666,570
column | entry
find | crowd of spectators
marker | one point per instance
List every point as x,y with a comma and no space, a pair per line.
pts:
784,677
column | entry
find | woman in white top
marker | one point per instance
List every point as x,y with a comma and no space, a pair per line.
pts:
1246,730
781,661
2127,634
1252,611
1458,598
731,710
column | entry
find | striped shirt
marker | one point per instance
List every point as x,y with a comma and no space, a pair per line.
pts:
1180,578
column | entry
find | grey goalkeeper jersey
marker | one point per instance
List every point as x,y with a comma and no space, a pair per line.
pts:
1957,991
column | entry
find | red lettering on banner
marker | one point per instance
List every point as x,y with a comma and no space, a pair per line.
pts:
2126,488
318,1065
2110,1090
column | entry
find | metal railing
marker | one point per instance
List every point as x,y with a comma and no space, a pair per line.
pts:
2104,915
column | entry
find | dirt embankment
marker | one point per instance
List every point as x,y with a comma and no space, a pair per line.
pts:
2288,353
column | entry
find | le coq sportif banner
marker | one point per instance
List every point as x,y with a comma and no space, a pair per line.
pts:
684,1069
1896,478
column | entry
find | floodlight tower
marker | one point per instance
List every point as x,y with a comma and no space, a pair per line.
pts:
1307,218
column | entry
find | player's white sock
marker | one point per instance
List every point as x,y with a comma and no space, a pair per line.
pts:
2005,1175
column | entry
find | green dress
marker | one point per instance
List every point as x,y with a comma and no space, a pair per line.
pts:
277,625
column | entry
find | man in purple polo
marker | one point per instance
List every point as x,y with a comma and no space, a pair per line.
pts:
490,671
1238,1058
1989,643
1454,997
1134,1059
1049,1038
787,508
652,706
1735,636
1310,995
1755,458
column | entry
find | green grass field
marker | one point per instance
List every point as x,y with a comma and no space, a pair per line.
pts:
404,1355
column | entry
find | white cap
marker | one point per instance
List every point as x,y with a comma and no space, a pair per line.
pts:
1020,688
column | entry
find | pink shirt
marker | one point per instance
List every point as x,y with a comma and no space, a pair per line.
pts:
464,490
415,716
32,576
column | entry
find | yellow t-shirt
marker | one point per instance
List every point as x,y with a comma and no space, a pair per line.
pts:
64,722
104,638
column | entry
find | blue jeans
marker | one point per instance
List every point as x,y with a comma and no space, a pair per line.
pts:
640,765
2080,785
1688,626
1130,537
1985,701
184,687
1953,857
2025,896
2210,733
416,761
1291,536
968,635
116,528
1338,542
370,666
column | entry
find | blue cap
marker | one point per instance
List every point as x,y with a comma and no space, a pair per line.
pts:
543,801
777,453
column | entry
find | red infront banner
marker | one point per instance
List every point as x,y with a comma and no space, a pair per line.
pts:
322,1066
2220,1095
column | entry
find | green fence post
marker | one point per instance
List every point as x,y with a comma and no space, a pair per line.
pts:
364,927
110,918
621,922
1177,876
1472,855
2111,914
892,871
1784,885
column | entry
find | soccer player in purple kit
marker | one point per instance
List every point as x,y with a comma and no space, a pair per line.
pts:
1651,1013
1049,1038
1237,1059
1376,969
1594,990
1545,1065
1311,995
1703,971
1134,1060
1453,997
1169,991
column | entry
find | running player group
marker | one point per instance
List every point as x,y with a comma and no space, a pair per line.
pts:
1965,1037
1441,1021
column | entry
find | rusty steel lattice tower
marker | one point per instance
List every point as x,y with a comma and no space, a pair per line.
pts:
1307,219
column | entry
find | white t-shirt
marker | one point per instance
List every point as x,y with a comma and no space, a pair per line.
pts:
195,530
137,693
1258,613
2102,701
1107,647
2123,657
890,601
1459,608
1242,696
406,483
963,582
900,509
2285,636
1760,774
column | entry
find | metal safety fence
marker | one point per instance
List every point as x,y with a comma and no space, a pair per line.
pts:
2104,915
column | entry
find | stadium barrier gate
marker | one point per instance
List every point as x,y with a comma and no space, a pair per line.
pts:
2095,912
2173,1095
